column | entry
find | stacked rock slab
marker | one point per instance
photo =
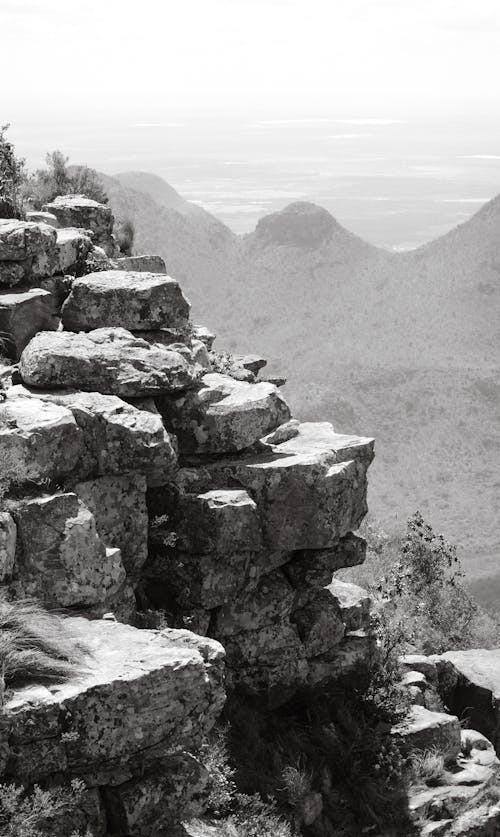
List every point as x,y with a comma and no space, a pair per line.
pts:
260,529
35,258
136,472
84,213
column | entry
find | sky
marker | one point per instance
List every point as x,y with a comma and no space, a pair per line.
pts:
68,58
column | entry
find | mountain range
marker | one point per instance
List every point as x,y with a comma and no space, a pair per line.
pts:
401,346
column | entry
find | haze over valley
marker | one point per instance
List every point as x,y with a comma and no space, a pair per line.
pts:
402,346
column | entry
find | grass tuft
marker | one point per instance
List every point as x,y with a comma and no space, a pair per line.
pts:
35,645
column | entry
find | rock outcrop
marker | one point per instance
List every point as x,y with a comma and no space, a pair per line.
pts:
143,482
125,726
81,212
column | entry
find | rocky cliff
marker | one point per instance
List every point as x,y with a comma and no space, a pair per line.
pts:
147,483
138,480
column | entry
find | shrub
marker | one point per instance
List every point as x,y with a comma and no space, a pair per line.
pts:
60,179
39,813
12,176
125,234
423,600
35,645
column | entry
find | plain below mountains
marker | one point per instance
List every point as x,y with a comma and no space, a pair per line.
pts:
402,346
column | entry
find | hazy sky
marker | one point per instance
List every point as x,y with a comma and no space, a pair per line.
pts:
160,56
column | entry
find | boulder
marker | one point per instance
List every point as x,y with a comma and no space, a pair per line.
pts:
111,437
61,559
84,213
22,315
39,441
8,539
108,360
354,604
133,300
426,730
118,504
27,252
143,695
141,264
201,332
223,415
73,247
310,490
469,683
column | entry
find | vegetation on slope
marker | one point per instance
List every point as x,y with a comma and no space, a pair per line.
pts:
337,744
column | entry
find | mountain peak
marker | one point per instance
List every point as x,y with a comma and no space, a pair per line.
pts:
300,224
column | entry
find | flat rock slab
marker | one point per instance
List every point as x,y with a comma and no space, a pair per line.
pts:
310,491
22,315
144,694
426,730
82,434
469,682
108,360
224,415
143,264
131,299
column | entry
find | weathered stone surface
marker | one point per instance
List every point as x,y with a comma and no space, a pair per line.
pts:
319,622
118,504
264,651
469,683
142,264
199,354
222,520
8,539
425,730
310,490
458,803
354,603
201,332
38,440
27,252
84,213
108,435
62,561
144,695
73,247
224,415
132,300
108,360
22,315
314,568
254,363
38,217
148,805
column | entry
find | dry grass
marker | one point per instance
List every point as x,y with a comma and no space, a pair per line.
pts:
35,645
428,767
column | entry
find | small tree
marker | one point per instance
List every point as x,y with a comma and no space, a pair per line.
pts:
12,176
427,590
60,179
